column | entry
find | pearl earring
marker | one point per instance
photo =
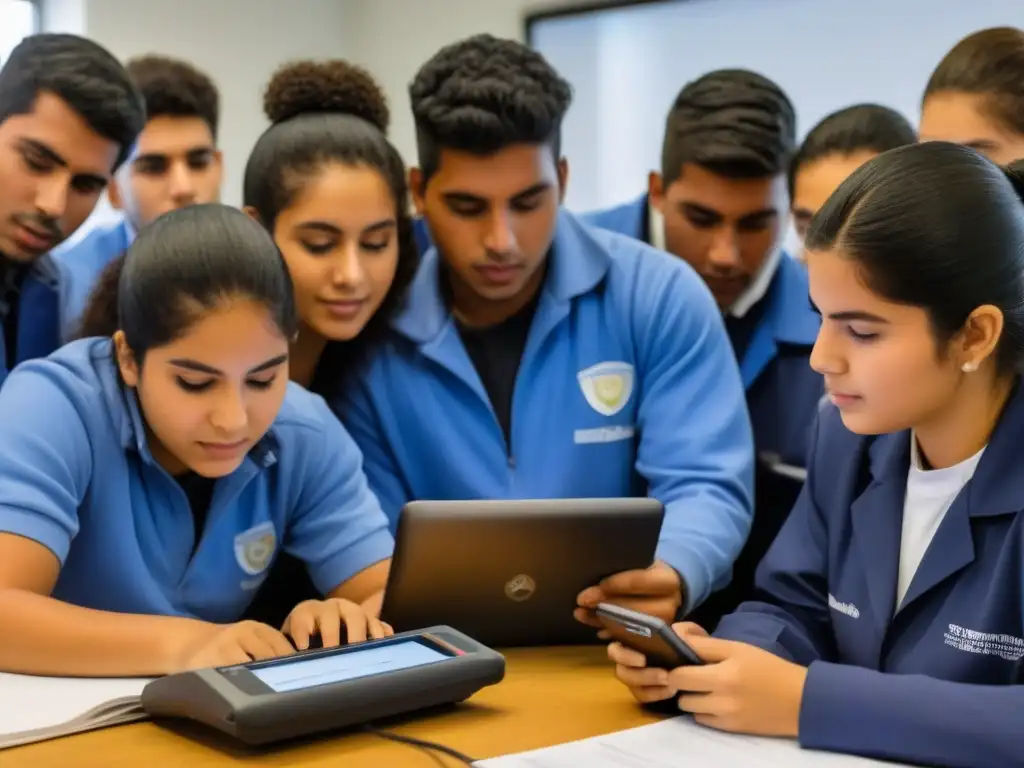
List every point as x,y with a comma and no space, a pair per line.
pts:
969,367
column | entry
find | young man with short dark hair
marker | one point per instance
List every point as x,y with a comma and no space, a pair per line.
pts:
540,358
720,203
69,116
175,163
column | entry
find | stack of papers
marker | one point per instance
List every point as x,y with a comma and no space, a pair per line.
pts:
674,743
40,708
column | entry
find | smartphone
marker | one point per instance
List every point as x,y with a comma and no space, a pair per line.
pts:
649,635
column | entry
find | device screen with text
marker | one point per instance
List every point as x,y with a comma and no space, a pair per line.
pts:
390,657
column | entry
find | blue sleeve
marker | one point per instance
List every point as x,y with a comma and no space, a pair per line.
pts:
792,619
45,457
355,409
696,448
911,718
338,528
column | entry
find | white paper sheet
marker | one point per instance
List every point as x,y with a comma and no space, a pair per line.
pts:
675,743
38,708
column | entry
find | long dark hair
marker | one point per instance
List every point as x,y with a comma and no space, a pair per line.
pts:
936,226
323,113
990,64
183,263
861,127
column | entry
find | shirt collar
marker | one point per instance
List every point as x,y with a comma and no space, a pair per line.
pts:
757,288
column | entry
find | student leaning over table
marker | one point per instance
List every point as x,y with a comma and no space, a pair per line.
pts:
146,482
890,615
537,357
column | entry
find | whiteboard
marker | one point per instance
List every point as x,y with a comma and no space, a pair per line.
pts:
626,66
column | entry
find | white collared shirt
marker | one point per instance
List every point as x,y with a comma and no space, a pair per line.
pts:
930,494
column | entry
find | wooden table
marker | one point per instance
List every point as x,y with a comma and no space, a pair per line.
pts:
549,696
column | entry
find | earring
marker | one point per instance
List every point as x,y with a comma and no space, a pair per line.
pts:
969,367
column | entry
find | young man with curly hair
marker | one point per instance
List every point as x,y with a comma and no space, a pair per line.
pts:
175,163
538,357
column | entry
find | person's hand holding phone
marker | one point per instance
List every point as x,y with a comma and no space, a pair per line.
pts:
738,687
647,683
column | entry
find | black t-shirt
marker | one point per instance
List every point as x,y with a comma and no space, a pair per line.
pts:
12,276
199,491
496,352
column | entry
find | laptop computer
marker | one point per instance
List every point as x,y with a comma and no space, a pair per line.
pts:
507,573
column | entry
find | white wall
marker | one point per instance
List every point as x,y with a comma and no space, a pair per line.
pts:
238,42
826,54
625,68
393,38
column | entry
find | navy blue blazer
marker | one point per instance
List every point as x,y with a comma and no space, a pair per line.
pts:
941,682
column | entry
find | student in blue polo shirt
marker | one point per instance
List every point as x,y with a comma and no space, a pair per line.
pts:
720,204
837,146
889,620
326,182
68,118
149,480
175,163
537,357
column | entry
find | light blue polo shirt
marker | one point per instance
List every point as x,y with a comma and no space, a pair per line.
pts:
628,386
77,476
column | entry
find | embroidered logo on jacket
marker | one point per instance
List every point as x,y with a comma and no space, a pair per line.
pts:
849,609
1006,647
607,386
254,548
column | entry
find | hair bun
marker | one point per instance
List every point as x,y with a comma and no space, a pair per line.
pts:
325,86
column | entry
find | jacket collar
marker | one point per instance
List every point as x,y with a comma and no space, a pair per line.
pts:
578,261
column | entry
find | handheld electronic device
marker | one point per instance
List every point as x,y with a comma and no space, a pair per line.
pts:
321,690
647,634
508,572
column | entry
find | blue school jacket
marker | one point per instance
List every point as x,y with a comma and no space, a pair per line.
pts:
783,391
39,307
83,262
627,386
422,235
941,682
77,476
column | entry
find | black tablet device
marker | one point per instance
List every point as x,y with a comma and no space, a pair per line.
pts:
322,690
508,572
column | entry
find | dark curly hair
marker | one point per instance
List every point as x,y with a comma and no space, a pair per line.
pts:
734,122
323,113
174,88
483,94
989,63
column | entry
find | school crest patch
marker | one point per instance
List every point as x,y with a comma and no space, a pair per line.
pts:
254,548
607,386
